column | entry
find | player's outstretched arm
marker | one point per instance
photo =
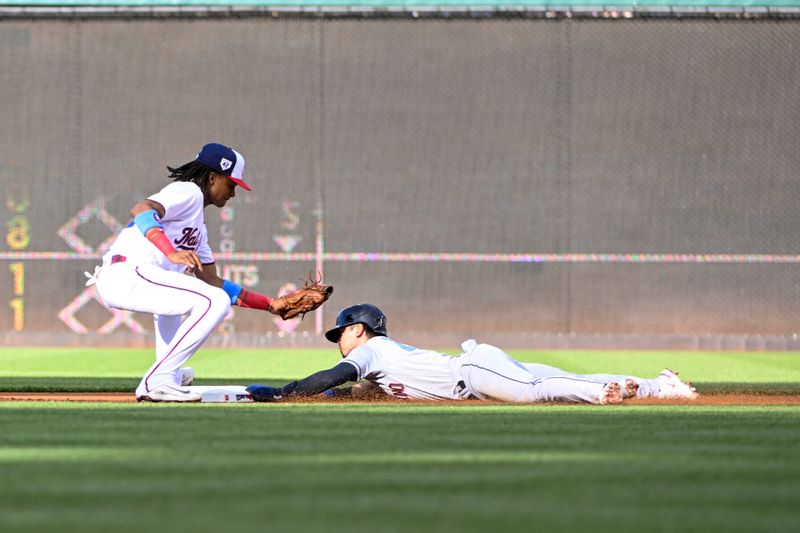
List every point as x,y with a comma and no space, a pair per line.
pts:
310,386
240,296
305,299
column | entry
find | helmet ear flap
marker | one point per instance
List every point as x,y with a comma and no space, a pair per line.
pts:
380,325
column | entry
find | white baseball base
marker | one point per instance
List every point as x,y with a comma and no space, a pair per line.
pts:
223,393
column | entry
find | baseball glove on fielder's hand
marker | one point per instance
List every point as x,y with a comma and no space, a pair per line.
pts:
307,298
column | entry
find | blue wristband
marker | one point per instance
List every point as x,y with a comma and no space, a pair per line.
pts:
232,289
147,220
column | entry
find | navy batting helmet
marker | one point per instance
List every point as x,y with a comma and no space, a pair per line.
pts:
366,314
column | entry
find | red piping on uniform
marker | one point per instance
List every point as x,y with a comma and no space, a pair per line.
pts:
146,386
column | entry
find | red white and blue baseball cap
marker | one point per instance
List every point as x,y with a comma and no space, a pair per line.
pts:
224,160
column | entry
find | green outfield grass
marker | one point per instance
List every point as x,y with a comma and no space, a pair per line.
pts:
96,369
272,467
87,467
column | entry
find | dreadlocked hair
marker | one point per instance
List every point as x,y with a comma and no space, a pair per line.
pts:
194,171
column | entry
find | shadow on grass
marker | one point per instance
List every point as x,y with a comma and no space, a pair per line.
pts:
102,384
770,389
89,384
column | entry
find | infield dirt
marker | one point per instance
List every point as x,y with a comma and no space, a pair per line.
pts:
124,397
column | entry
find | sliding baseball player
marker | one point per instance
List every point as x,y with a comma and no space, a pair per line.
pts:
482,372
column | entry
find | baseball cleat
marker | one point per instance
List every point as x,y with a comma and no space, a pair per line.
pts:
631,388
170,393
612,394
187,376
670,386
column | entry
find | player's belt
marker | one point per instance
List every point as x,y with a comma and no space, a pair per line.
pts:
118,259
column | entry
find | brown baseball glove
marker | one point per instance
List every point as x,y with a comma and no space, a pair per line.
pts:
307,298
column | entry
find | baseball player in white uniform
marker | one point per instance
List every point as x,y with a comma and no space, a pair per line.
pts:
146,269
481,371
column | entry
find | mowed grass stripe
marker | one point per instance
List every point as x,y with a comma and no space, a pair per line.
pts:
100,467
103,369
290,363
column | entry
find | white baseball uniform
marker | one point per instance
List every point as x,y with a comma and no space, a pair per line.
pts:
482,371
137,276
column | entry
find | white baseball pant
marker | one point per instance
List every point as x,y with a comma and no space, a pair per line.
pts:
168,296
490,373
647,387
